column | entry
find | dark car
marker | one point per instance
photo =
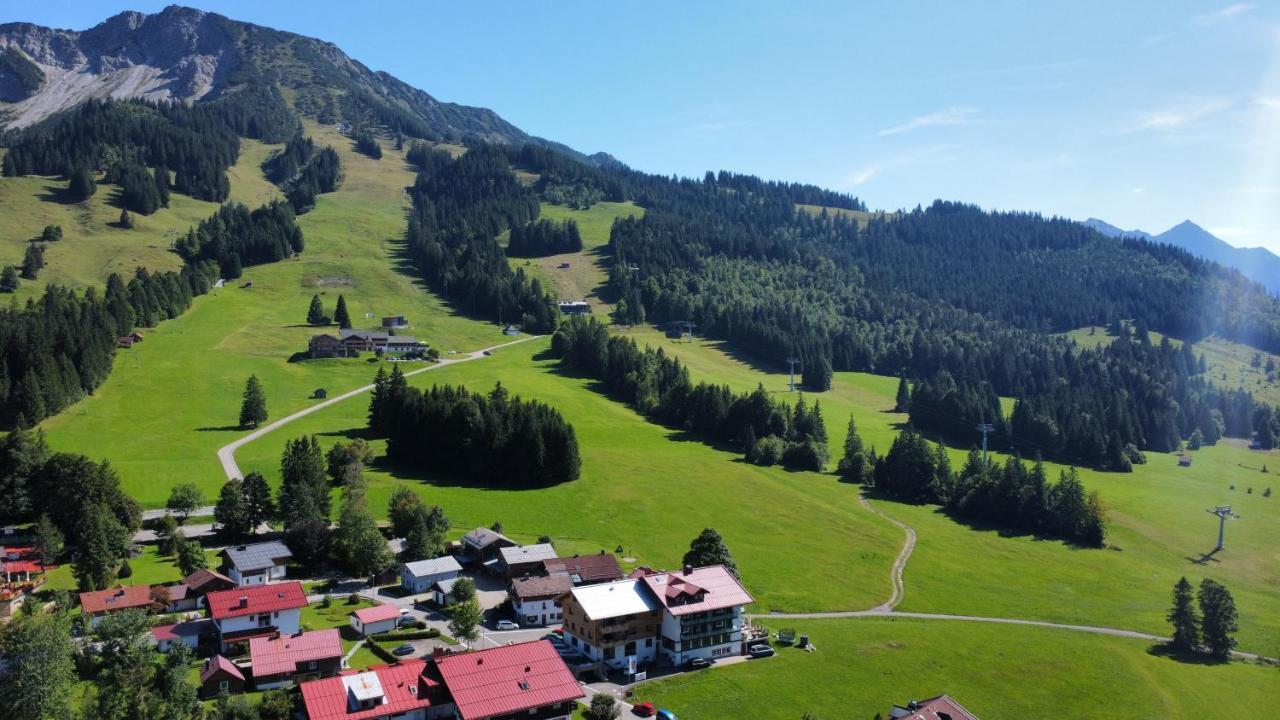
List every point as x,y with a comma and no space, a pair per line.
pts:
761,651
403,650
699,663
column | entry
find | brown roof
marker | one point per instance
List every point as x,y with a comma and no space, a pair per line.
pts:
541,586
218,664
942,707
588,568
203,581
116,598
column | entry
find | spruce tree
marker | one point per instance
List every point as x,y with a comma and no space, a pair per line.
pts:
257,498
853,465
9,279
902,402
315,313
126,220
340,314
1183,617
1218,619
709,549
231,513
253,408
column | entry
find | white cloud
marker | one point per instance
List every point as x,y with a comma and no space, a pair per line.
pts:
1224,13
1176,117
934,154
955,115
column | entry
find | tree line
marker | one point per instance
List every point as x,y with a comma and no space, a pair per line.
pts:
767,432
459,208
493,438
303,172
235,237
544,237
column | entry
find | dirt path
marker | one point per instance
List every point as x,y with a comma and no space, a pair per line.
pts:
899,563
227,454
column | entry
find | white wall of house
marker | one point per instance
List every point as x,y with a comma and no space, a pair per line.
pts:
537,612
190,641
682,654
285,621
257,577
373,628
615,657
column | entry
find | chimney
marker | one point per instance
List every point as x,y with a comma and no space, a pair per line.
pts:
688,568
244,601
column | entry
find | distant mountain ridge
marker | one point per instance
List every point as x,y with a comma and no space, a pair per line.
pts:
1257,264
188,55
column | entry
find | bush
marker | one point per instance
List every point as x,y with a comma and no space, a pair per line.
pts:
427,634
768,451
125,570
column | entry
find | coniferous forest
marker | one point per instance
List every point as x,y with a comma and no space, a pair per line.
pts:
494,438
303,172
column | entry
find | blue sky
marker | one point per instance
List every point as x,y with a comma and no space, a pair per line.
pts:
1141,113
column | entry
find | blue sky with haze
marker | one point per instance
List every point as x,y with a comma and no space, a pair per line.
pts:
1141,113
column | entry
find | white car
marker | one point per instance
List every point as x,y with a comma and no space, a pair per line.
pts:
505,625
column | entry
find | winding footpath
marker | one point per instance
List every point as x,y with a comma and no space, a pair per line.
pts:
887,608
227,453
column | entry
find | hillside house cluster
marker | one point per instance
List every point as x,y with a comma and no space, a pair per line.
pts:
523,680
536,591
350,343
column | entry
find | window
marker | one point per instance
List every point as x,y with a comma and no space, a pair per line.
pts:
224,685
311,665
648,642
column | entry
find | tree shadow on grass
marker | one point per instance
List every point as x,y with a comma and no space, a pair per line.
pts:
1205,558
406,472
1166,650
982,526
57,195
221,428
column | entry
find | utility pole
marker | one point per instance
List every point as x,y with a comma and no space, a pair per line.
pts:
792,361
985,428
1223,512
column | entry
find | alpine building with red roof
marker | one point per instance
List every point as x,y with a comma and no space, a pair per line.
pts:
526,680
408,690
701,612
279,660
240,614
377,619
99,603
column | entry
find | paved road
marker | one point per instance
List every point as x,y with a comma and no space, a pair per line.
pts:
227,454
191,532
157,514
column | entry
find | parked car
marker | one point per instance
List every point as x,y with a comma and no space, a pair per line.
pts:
506,625
665,715
761,651
403,650
699,663
644,709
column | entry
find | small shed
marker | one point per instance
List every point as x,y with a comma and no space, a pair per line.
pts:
1184,461
220,676
563,266
511,330
320,394
377,619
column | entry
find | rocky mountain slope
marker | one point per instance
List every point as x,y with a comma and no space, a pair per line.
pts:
188,55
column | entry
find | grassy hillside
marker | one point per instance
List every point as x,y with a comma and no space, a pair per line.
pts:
1158,523
861,216
587,270
801,540
174,399
998,672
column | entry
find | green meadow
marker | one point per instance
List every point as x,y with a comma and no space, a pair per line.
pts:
998,672
587,271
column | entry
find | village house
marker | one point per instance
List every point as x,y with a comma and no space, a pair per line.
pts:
534,598
325,345
375,341
441,592
203,581
522,559
942,707
417,577
701,612
100,603
180,598
573,307
585,569
377,619
408,690
394,321
524,680
279,660
258,611
481,545
219,677
256,564
612,622
190,633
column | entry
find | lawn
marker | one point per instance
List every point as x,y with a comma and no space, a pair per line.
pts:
801,539
149,568
173,400
588,270
864,666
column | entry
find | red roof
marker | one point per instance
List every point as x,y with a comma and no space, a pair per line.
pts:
327,699
938,708
238,602
191,628
377,613
507,679
17,566
116,598
218,664
699,590
281,655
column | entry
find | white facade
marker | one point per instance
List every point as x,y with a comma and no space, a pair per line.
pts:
537,612
646,650
701,635
373,628
286,622
275,573
418,577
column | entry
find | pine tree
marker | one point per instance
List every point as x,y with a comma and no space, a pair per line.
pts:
231,513
1218,619
253,408
315,313
1183,617
257,498
709,549
340,314
9,279
853,465
49,542
102,544
126,220
902,401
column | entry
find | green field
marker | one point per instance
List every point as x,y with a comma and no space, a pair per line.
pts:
861,216
173,400
149,568
997,672
587,271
